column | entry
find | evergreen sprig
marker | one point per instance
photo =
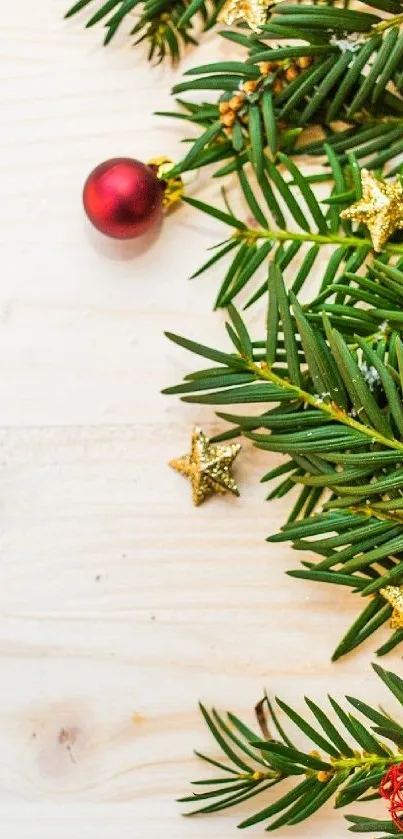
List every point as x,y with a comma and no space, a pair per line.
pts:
333,373
328,373
288,225
348,71
167,25
344,761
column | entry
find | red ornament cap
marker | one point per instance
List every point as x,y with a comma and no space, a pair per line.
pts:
123,198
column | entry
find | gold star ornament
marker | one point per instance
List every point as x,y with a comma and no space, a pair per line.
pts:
380,208
252,12
208,466
394,596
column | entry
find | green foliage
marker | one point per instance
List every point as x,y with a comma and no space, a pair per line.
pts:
345,77
361,824
167,25
344,761
329,373
329,377
287,224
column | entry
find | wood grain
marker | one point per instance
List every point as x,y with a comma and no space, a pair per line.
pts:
120,603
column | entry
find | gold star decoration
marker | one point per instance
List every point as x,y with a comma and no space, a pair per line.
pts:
208,466
253,12
380,208
394,596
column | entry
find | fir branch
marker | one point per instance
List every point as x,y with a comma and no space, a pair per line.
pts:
345,761
340,422
167,25
266,235
348,71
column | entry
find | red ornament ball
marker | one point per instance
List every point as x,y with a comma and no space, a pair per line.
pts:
391,788
123,198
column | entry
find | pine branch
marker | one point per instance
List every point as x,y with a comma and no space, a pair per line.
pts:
339,420
344,761
267,235
348,70
168,24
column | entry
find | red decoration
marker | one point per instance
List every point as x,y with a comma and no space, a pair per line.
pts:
391,788
123,198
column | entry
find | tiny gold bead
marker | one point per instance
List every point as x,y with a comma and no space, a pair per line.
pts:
236,102
250,86
228,119
264,68
291,73
304,62
267,67
278,86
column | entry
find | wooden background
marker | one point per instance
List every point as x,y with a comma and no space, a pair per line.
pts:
122,605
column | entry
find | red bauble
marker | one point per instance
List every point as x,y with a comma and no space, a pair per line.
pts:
123,198
391,788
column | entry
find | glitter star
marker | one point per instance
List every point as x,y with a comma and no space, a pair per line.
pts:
380,208
208,467
394,596
253,12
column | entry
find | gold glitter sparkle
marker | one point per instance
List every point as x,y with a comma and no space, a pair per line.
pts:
253,12
173,187
394,596
380,208
208,466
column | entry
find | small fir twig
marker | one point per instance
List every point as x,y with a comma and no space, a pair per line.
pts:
168,26
347,756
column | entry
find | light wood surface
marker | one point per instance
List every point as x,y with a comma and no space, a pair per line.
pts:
121,604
